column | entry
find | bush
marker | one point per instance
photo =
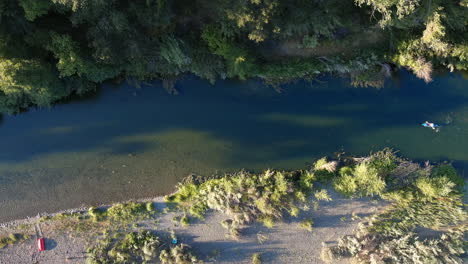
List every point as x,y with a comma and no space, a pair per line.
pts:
247,197
384,161
392,236
96,214
324,170
134,247
185,221
402,196
307,224
363,180
12,239
434,187
239,61
177,255
345,184
267,221
256,259
408,248
128,211
433,214
450,173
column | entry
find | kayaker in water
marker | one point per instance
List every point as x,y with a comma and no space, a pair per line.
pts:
431,125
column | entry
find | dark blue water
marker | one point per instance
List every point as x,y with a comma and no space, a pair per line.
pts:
128,142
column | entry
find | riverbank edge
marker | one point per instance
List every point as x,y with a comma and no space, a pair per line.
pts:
82,209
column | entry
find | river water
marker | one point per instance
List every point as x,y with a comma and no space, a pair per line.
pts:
129,142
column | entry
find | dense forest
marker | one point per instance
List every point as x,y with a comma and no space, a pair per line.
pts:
51,49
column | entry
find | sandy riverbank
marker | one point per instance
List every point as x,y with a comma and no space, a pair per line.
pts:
285,243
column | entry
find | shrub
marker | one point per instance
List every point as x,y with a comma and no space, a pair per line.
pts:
319,164
392,236
368,180
322,195
247,197
409,248
345,184
306,224
12,239
294,211
450,173
363,181
184,192
324,170
434,214
133,247
267,221
178,254
306,179
384,161
185,221
402,196
239,61
434,187
127,212
96,214
150,207
256,259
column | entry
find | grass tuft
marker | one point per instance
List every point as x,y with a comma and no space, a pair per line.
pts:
307,224
256,258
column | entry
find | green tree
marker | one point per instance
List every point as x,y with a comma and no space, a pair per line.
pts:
26,82
35,8
239,62
72,61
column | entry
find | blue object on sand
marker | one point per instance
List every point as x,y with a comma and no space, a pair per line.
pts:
427,125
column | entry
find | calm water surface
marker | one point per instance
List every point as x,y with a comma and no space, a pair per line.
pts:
129,142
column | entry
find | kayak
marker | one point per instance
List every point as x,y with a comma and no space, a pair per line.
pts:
40,244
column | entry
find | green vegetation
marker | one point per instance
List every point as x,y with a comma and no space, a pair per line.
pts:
256,259
245,197
368,176
307,224
133,247
423,232
12,239
119,216
177,255
185,221
425,223
53,49
362,180
138,247
129,211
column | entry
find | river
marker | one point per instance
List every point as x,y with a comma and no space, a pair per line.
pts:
134,142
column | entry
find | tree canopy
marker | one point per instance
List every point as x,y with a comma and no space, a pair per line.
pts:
50,49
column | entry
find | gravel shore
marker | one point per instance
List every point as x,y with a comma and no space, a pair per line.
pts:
284,243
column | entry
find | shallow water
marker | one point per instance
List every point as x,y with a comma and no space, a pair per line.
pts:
127,142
